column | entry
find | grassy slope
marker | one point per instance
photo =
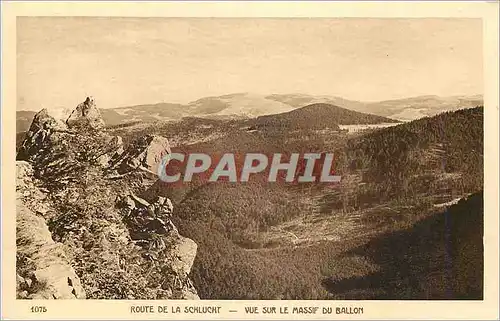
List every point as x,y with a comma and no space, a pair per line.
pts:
440,257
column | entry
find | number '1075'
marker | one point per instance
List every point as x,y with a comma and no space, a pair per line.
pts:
38,309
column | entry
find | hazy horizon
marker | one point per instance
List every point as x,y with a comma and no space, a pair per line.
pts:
133,61
82,98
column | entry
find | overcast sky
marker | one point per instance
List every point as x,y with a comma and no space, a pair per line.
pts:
128,61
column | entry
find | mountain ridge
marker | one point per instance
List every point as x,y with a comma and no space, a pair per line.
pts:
249,105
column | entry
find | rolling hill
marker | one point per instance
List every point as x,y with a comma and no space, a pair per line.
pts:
300,100
318,116
422,106
231,106
243,105
404,109
239,104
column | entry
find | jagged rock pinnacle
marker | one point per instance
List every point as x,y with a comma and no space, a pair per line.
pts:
86,116
43,125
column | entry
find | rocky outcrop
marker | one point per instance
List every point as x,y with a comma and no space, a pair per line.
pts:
49,125
102,250
43,271
43,126
145,219
145,153
86,116
55,147
150,225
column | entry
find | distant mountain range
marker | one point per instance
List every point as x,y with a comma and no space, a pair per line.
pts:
247,105
405,109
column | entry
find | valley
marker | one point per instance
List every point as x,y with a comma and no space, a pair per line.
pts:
383,232
393,177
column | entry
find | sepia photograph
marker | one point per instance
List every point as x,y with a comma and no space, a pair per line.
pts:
223,160
249,159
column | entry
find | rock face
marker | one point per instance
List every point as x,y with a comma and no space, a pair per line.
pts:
44,124
145,153
48,128
145,219
53,145
86,116
150,225
43,271
46,119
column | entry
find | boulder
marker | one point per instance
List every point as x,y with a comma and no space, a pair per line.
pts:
190,294
117,143
31,196
146,220
114,148
86,116
145,153
183,252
